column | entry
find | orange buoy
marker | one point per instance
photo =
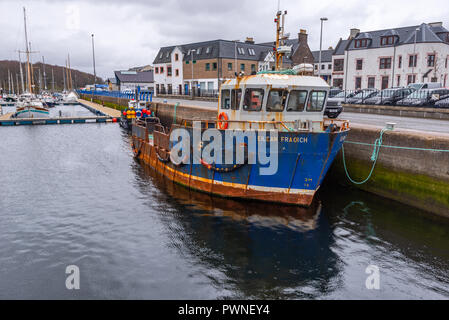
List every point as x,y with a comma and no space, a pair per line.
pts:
222,124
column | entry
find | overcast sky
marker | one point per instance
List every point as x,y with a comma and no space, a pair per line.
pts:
129,33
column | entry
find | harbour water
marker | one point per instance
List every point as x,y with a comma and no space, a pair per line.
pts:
74,195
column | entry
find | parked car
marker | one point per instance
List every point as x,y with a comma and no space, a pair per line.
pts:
360,97
443,103
333,108
425,85
389,96
424,97
343,96
334,91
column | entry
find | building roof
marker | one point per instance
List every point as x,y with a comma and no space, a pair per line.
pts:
134,76
341,47
214,49
406,35
326,55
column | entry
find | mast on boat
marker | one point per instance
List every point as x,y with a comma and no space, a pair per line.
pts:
21,73
280,49
30,90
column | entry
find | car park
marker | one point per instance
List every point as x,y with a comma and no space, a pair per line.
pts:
360,97
389,96
424,97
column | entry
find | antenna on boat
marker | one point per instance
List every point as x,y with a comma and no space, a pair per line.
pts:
280,50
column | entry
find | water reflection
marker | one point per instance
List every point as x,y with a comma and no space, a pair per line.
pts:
264,250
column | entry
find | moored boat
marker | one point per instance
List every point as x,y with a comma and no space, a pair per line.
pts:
269,142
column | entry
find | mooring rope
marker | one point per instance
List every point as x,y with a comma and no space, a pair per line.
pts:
377,144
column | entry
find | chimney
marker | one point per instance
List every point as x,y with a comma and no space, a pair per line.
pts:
249,40
353,32
302,36
435,24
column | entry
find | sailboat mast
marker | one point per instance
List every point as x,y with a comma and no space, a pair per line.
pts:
70,72
28,53
21,74
52,81
31,67
45,76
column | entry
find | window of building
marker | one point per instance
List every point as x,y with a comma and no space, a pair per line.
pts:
167,55
176,57
187,61
411,78
362,43
322,67
253,99
398,81
169,71
161,55
208,50
229,66
225,99
385,63
371,82
161,69
400,62
297,100
242,67
359,64
198,51
431,60
177,72
358,83
316,67
316,101
214,66
207,66
339,64
385,41
412,61
276,100
384,82
236,97
156,70
241,50
253,67
251,52
329,66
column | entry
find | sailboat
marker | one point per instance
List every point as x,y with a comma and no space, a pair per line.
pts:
28,105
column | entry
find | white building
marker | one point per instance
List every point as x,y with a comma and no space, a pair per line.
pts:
394,57
131,80
325,70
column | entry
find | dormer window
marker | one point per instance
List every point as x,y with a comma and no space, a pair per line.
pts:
387,41
362,43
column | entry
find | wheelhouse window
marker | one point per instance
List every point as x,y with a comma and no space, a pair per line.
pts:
316,101
297,100
385,63
225,99
236,97
253,99
276,100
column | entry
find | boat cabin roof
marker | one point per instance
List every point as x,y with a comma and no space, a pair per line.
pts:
281,80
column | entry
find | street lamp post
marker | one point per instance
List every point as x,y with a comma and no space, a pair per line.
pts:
414,55
191,82
93,58
321,43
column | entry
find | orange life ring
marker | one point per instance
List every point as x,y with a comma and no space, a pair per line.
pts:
221,124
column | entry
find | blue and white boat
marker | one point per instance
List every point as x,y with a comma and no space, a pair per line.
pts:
284,109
